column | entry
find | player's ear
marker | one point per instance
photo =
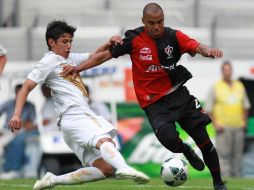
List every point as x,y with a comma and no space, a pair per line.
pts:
143,20
51,42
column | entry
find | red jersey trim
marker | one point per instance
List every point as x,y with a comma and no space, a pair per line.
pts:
185,43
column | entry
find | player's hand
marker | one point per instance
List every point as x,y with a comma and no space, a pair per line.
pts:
214,53
115,40
70,70
15,123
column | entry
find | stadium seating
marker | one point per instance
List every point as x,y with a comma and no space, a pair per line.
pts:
38,43
88,39
226,24
101,12
34,9
237,43
177,12
208,9
15,40
6,9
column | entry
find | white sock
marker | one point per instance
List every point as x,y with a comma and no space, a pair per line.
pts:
81,175
112,156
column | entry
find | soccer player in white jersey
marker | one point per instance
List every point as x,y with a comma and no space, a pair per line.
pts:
87,134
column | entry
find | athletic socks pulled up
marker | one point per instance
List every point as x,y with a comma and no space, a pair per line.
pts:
112,156
81,175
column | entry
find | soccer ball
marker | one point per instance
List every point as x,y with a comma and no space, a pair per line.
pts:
174,172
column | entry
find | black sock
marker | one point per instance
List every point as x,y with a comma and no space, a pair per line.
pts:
211,160
186,148
209,153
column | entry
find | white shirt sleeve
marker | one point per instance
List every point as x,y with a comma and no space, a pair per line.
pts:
39,73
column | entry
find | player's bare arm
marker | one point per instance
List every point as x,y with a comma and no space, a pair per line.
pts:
15,122
112,41
93,61
209,52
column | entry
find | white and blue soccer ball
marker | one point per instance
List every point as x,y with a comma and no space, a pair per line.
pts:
174,172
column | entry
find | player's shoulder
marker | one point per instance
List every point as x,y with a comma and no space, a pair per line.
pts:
171,31
52,59
134,32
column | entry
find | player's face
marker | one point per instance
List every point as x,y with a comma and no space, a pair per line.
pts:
154,24
62,46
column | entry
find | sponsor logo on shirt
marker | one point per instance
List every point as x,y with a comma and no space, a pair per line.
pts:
145,54
168,51
154,68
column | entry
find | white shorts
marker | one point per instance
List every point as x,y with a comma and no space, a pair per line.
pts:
81,133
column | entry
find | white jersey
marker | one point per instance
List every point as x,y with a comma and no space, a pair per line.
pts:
66,92
81,127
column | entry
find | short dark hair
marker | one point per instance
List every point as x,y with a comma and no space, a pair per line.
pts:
56,29
152,7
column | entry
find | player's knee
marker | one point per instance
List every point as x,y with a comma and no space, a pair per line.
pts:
107,170
103,140
169,139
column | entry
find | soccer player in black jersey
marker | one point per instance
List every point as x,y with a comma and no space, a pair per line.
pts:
159,85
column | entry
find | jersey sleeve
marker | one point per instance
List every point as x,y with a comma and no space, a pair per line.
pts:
186,44
125,48
39,73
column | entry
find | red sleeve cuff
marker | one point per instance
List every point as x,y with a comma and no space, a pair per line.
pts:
186,44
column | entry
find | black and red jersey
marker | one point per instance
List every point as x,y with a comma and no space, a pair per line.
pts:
154,62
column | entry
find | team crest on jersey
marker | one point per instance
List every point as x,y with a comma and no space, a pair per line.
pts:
168,51
145,54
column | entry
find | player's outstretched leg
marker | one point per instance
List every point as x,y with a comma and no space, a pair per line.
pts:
123,171
193,158
210,156
169,138
79,176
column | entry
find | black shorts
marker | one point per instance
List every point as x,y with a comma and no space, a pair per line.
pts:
178,106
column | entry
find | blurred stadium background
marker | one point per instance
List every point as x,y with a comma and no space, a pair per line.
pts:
226,24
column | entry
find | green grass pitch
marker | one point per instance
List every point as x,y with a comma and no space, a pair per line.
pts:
113,184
